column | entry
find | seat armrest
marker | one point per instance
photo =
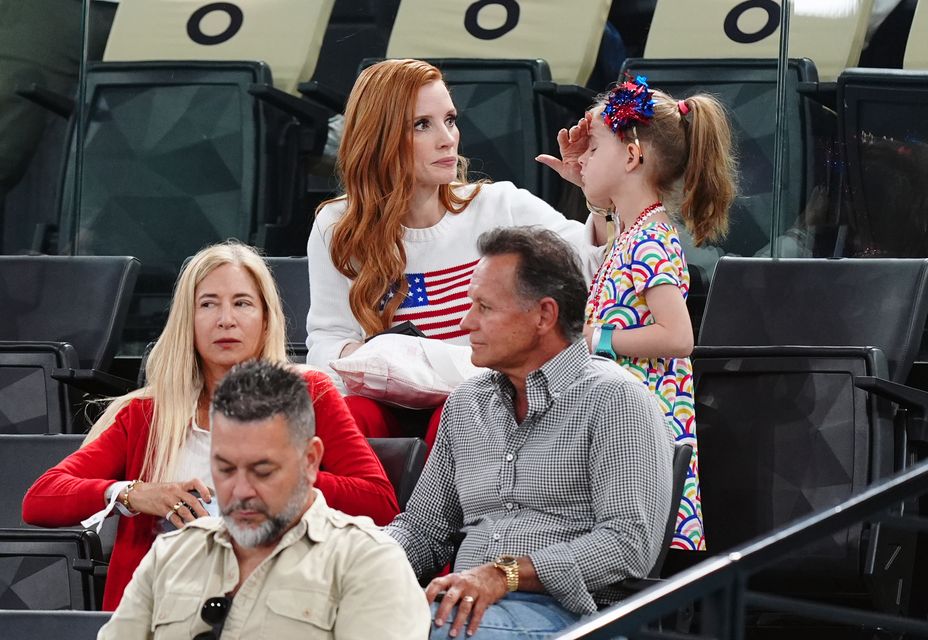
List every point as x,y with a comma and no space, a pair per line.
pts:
910,398
94,381
324,95
824,93
59,104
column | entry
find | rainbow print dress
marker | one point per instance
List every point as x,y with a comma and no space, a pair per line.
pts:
652,257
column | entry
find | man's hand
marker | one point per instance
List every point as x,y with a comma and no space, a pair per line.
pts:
473,591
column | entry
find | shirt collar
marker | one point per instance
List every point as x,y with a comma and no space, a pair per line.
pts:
313,525
553,376
564,369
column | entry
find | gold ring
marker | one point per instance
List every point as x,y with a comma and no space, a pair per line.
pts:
468,599
177,506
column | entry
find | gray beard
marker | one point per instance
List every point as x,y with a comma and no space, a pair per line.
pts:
274,526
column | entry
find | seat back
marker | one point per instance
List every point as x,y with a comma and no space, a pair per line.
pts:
879,303
736,29
402,459
916,47
292,276
79,300
758,408
31,401
192,30
565,35
23,458
50,569
176,157
884,132
747,87
682,453
357,29
38,625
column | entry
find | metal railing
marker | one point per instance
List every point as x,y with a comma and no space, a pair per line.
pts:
718,585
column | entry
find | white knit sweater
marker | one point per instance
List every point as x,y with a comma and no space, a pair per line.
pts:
439,262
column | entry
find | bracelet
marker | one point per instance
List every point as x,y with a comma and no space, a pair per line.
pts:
125,497
599,211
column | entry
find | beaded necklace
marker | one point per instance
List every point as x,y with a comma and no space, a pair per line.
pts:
618,247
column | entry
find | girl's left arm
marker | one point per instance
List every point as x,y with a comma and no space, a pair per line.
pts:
670,335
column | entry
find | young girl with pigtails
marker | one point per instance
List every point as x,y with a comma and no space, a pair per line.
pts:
628,154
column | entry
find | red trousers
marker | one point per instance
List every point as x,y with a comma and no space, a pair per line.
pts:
378,420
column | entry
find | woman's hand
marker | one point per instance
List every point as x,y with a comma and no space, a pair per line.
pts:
159,499
571,144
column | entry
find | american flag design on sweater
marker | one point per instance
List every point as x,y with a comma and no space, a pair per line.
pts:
437,301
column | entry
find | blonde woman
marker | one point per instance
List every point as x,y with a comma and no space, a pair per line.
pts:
150,448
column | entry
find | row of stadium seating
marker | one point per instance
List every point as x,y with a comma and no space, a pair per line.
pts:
51,569
792,357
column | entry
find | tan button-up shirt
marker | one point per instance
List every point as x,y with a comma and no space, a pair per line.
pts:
330,576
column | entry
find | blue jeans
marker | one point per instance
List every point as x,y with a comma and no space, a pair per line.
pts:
518,616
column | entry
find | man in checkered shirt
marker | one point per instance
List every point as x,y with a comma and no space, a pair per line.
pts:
554,467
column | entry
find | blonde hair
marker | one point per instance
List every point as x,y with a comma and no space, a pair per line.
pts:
696,146
375,167
174,371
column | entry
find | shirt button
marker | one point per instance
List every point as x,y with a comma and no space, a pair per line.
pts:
509,505
509,457
496,536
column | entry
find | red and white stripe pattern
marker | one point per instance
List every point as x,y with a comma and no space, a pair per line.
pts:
437,301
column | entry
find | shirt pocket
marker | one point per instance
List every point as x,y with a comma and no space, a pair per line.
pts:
297,613
175,615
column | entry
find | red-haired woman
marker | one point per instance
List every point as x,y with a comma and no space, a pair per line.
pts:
401,243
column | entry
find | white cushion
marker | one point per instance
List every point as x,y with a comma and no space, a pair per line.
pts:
406,371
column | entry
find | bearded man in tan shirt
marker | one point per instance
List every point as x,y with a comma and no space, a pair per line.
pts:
279,563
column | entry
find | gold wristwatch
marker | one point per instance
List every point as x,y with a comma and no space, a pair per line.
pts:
510,567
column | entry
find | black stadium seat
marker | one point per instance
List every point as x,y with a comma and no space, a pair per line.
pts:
43,568
23,458
61,321
31,401
748,89
44,625
785,426
881,118
292,276
211,161
402,459
50,569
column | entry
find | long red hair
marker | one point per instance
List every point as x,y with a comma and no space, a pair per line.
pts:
375,167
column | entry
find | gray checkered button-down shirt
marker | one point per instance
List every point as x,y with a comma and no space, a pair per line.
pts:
581,486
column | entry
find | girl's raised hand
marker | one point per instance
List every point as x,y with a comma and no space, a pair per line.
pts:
571,144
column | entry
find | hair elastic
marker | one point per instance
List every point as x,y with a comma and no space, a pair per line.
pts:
683,107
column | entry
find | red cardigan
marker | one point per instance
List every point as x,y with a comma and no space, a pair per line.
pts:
352,478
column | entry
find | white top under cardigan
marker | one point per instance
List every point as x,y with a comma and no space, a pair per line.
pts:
448,247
